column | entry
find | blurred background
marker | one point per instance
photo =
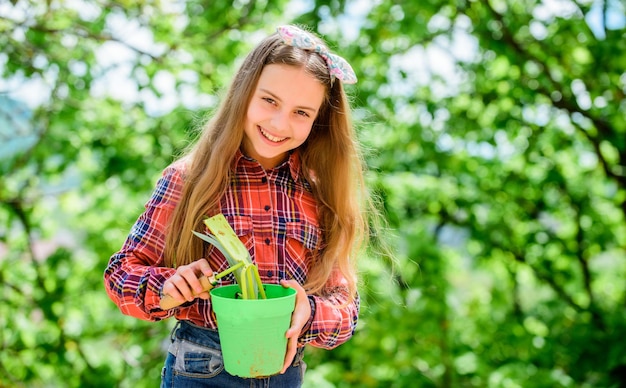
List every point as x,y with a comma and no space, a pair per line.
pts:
495,135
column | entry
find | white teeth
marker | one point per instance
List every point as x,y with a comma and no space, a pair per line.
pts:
270,137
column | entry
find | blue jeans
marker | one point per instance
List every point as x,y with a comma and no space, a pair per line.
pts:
194,359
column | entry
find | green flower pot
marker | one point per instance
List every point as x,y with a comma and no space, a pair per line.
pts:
252,331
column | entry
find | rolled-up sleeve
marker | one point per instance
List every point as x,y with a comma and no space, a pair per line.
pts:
334,318
135,275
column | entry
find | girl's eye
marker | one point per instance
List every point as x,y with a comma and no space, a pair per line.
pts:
302,113
269,100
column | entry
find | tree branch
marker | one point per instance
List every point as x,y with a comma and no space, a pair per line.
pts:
584,265
605,130
82,32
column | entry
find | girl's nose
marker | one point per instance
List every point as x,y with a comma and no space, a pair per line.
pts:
280,121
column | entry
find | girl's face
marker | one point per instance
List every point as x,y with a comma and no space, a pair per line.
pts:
281,112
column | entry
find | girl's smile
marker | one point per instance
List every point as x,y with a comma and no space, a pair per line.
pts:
270,137
281,113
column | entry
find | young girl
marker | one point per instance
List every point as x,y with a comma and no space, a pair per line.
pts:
279,160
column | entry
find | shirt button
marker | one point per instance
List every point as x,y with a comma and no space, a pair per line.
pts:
270,274
267,208
264,180
267,241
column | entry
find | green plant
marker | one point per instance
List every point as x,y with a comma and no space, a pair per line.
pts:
223,237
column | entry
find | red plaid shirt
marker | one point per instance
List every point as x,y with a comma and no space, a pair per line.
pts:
274,214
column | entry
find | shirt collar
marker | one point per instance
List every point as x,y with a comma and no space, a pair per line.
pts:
292,163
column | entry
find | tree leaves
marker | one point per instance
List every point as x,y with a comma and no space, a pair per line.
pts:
495,136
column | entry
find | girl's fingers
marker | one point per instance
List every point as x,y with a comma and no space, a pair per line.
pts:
292,347
170,289
191,279
185,285
299,318
302,310
204,267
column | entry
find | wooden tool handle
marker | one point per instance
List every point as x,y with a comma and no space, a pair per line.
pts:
168,302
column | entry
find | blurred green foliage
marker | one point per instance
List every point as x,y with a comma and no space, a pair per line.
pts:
495,134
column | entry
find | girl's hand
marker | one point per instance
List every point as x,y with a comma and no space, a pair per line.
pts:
299,318
184,283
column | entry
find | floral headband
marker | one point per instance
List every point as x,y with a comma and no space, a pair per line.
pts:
337,66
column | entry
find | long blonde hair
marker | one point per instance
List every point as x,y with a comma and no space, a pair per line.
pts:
331,162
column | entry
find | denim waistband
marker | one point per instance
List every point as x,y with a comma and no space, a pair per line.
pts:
196,334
